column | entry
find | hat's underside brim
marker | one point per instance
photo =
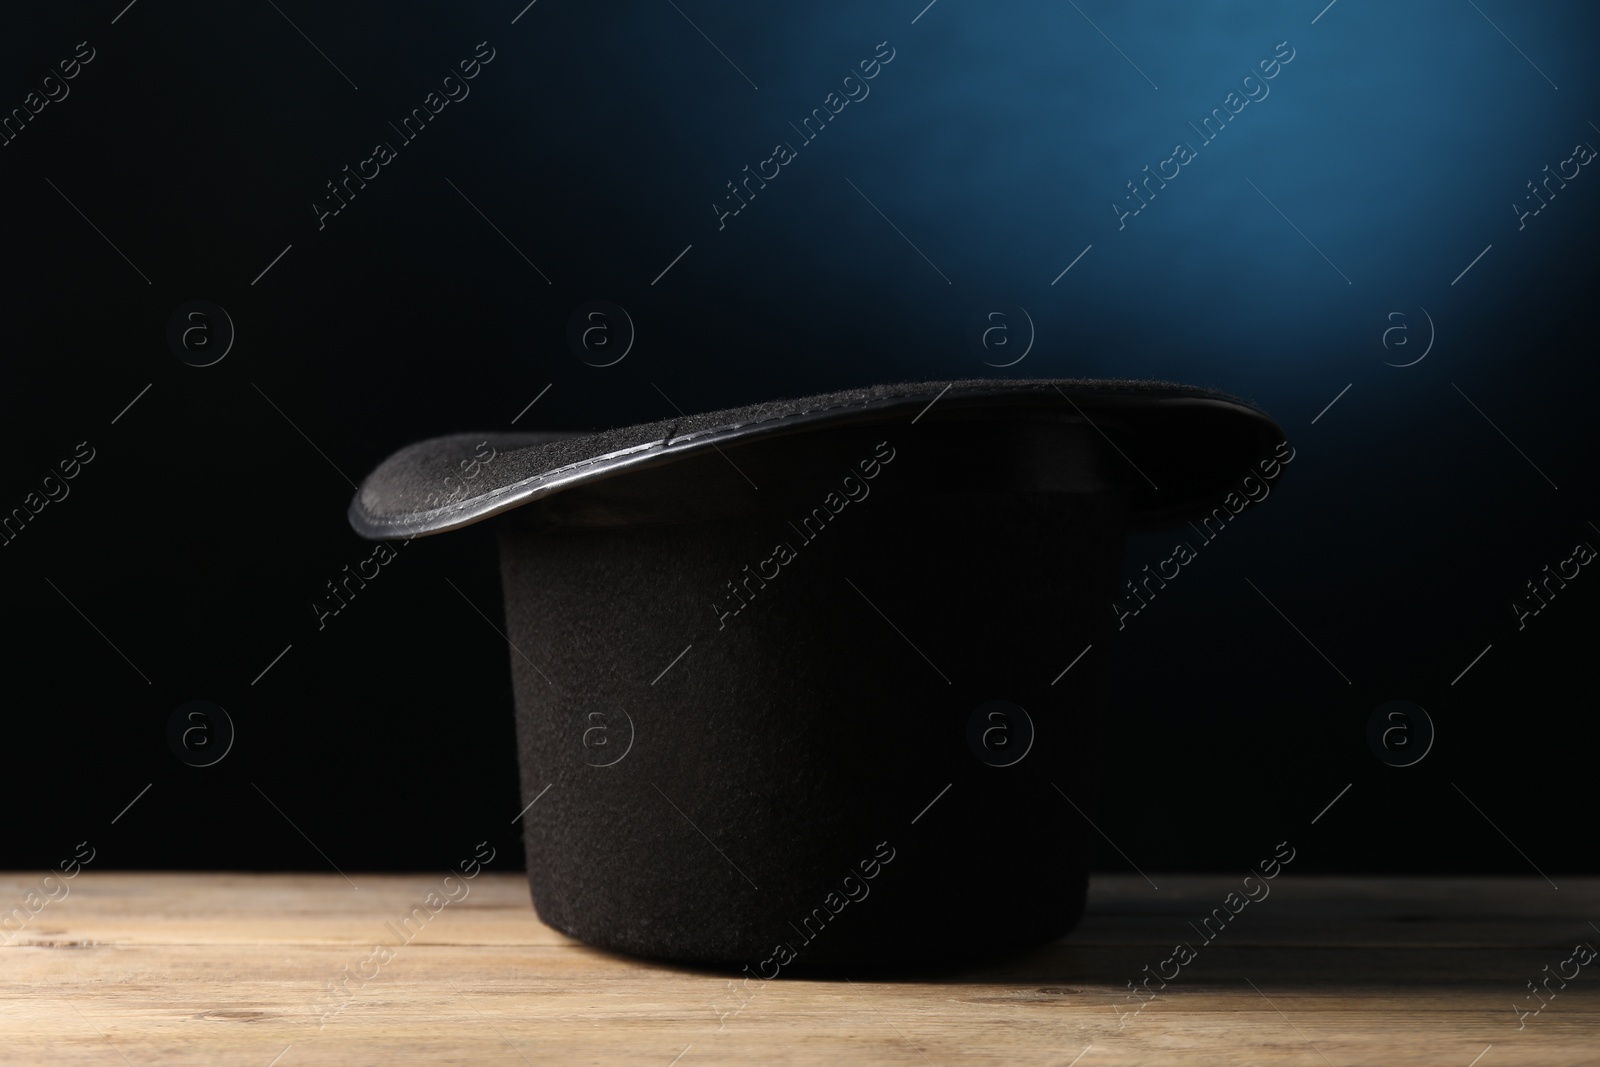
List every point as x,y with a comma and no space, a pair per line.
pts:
1177,449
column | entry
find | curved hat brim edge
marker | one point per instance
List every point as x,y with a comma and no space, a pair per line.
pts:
385,505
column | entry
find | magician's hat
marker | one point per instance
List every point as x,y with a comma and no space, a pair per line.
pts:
789,678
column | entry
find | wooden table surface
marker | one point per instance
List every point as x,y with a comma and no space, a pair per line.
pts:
178,968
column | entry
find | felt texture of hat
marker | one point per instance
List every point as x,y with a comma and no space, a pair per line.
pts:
790,685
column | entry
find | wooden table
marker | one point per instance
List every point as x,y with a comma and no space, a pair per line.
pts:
178,968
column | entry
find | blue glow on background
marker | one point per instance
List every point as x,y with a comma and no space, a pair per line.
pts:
1396,140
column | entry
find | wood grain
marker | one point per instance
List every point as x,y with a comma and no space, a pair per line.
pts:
179,968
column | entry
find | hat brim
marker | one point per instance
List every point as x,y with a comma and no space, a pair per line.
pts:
1183,447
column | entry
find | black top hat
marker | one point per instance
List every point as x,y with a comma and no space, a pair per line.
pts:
789,678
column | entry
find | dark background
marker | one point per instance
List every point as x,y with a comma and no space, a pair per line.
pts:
188,553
